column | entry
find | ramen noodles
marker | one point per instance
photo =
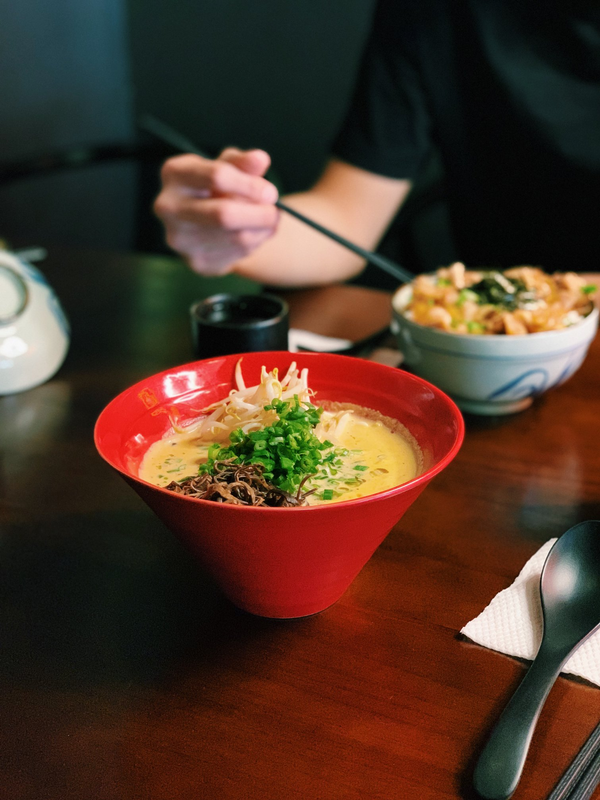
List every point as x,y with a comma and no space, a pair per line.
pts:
270,445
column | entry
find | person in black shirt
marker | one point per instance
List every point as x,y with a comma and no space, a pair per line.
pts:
508,92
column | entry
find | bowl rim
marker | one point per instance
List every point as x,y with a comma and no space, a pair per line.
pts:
424,477
470,337
224,297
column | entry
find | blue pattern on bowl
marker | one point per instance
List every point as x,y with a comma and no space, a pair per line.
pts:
513,389
517,389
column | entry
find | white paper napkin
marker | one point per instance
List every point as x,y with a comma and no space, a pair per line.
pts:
299,339
512,622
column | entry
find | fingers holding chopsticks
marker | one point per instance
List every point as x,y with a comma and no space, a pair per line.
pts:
216,211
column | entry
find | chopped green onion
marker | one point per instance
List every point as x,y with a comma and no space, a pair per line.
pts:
474,327
327,494
288,450
466,294
590,288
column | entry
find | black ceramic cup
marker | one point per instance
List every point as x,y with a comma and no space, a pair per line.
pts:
226,323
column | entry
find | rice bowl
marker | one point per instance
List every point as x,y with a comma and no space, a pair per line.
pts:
497,374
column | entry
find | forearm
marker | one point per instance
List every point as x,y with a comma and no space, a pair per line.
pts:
297,255
352,203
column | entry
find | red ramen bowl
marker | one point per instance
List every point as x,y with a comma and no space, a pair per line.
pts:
280,562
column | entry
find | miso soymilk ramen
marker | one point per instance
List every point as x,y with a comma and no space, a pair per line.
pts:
381,454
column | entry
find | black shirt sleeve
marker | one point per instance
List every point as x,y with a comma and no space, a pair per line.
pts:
387,129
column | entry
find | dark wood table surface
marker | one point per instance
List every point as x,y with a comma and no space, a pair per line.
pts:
125,675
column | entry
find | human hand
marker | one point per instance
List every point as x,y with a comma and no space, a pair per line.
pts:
217,211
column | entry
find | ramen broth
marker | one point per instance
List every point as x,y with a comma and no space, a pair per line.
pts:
381,454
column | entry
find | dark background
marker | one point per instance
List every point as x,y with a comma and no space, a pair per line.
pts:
80,72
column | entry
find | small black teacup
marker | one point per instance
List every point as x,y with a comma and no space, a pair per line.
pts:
225,323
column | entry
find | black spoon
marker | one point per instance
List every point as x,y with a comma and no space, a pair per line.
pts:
570,597
172,137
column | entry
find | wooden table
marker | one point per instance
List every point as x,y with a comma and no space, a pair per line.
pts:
127,676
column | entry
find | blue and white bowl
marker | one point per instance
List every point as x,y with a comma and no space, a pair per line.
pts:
491,374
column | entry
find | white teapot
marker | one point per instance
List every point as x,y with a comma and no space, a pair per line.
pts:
34,332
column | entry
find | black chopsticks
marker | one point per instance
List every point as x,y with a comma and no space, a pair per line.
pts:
583,774
172,137
393,269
